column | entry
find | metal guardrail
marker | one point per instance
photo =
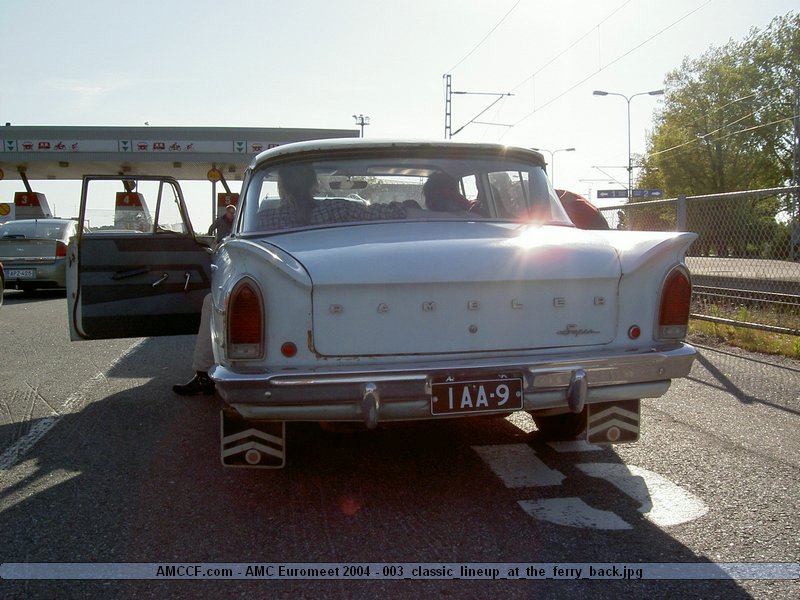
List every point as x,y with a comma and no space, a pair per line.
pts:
745,263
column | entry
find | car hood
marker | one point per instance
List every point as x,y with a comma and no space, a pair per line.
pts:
417,288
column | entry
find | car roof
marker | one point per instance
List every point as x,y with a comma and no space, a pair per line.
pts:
342,145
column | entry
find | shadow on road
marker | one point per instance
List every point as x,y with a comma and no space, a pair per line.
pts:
136,477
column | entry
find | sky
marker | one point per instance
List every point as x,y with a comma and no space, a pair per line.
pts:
316,63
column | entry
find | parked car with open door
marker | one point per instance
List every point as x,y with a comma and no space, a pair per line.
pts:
374,282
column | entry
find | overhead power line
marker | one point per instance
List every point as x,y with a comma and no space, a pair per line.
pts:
619,58
727,135
486,37
724,106
571,46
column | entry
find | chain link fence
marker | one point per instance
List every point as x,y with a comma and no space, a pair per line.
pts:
745,262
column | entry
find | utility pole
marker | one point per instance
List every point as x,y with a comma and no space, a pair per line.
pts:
362,121
794,250
448,107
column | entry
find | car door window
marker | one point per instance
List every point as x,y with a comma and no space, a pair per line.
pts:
136,269
133,206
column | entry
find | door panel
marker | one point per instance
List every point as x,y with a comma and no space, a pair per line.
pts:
126,282
143,286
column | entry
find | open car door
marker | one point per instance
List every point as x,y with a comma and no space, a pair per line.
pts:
135,268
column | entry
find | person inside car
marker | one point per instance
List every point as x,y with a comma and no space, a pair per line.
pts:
298,207
442,194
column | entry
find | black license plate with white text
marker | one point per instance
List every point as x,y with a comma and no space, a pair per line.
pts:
452,397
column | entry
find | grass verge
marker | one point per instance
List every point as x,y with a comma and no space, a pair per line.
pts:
709,333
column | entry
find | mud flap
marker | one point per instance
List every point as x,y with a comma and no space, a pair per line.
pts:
251,444
613,422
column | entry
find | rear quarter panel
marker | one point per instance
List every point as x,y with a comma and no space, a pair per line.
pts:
285,287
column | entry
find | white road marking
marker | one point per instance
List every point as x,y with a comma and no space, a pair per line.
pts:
522,421
662,501
38,430
574,446
573,512
518,466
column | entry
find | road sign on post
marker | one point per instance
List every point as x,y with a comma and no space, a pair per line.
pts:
612,193
649,193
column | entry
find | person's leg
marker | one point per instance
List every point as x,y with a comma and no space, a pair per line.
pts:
202,359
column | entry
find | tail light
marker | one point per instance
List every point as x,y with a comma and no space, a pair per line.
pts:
673,312
61,249
245,324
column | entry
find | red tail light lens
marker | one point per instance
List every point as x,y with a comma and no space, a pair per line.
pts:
61,249
245,322
673,313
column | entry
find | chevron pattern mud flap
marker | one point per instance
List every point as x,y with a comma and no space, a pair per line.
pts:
613,422
260,445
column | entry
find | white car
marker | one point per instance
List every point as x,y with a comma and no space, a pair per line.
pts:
474,296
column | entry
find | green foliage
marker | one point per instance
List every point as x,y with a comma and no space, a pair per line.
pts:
727,120
727,125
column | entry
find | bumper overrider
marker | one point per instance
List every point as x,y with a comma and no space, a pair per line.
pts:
550,385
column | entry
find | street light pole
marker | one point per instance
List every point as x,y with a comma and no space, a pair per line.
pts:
361,120
552,154
628,101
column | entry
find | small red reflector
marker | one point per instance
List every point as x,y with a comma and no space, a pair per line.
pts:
288,349
634,332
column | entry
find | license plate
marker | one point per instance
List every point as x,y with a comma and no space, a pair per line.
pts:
20,273
476,396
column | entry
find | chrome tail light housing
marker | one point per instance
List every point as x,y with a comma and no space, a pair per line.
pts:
674,305
245,321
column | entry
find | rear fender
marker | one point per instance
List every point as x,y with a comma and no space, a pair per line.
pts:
636,249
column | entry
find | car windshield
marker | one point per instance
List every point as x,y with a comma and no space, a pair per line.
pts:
34,229
388,188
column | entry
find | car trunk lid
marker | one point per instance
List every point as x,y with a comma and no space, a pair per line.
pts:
419,288
14,249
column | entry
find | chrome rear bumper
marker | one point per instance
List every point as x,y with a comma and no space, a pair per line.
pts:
551,384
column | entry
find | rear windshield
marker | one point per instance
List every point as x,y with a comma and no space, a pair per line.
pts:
325,192
42,230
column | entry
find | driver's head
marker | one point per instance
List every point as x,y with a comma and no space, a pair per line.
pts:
297,183
442,194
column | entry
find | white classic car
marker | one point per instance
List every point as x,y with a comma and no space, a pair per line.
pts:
373,282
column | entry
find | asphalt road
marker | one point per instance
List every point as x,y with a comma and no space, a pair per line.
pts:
100,462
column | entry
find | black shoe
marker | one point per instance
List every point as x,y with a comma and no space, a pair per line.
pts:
201,383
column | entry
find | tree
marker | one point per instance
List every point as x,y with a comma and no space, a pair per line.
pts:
728,125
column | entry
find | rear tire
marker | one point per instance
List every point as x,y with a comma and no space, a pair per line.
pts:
561,427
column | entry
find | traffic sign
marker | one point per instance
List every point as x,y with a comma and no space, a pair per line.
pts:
612,193
649,193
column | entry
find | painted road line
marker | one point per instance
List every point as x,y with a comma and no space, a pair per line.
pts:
42,427
662,501
573,512
518,466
